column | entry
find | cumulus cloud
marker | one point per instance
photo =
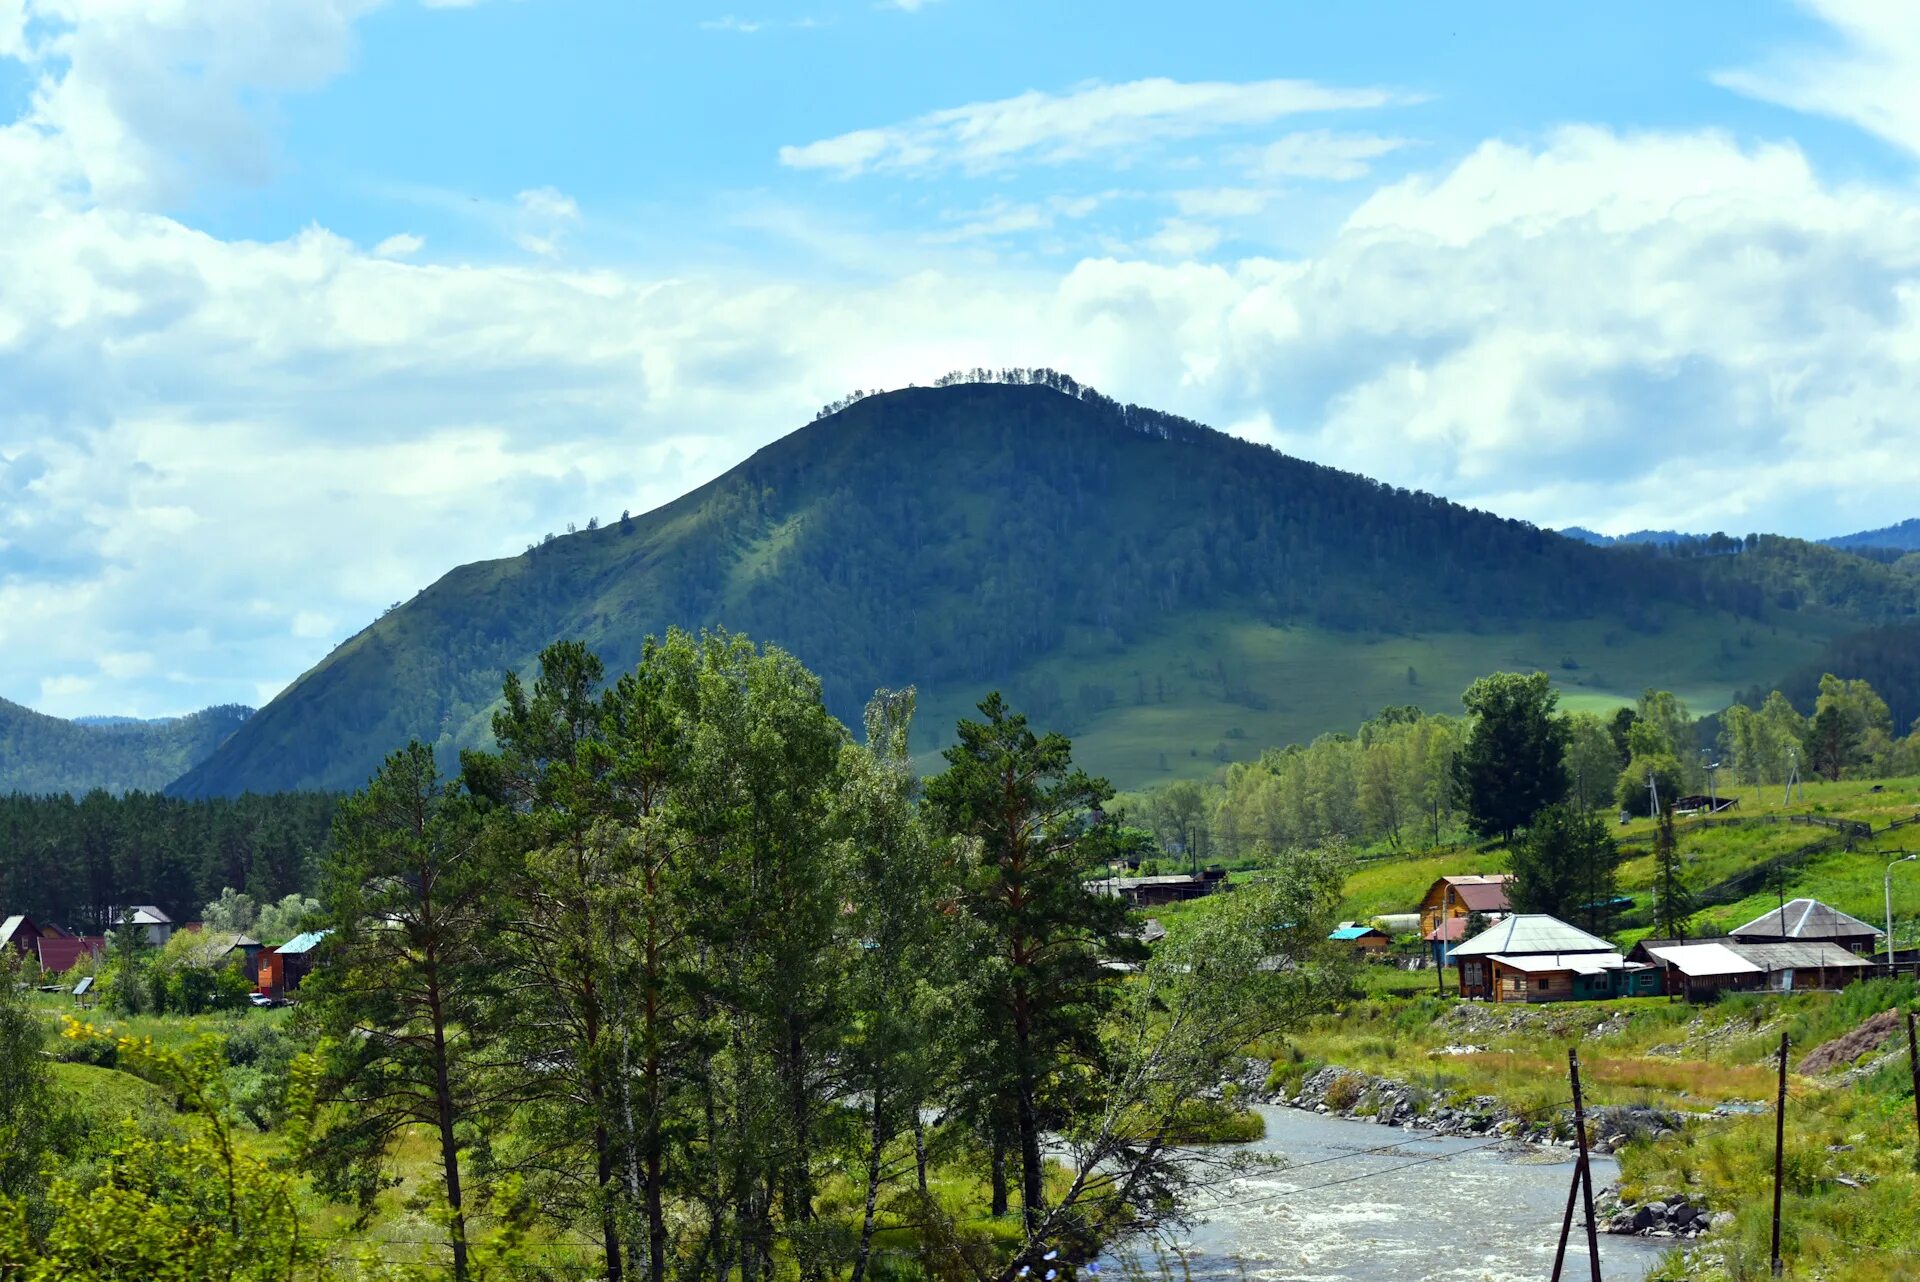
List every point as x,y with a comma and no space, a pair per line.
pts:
400,245
1092,120
218,458
136,102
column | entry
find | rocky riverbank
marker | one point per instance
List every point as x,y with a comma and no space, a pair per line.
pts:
1343,1092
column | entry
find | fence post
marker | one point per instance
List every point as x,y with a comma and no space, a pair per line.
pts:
1586,1168
1913,1066
1779,1154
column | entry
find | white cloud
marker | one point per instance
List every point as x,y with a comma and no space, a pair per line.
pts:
1322,154
743,26
1092,120
1870,78
136,102
227,455
400,245
544,215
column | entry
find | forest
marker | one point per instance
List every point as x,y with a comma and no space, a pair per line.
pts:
682,980
72,861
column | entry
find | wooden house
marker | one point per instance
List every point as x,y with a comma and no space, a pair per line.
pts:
1784,966
1146,892
281,969
1462,896
1364,940
1531,957
1808,921
1702,971
21,935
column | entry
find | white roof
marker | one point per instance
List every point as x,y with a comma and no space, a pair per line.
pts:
1698,961
1578,963
1527,933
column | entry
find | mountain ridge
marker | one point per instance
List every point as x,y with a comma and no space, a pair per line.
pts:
46,754
1120,572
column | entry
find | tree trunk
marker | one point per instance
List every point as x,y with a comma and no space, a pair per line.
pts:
920,1150
999,1173
876,1142
609,1227
449,1146
1033,1193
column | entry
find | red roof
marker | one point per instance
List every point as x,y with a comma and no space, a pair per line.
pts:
1479,892
58,955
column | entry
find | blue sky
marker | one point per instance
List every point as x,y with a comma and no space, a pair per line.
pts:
303,302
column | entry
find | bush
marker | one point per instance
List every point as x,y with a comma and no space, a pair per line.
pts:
1346,1090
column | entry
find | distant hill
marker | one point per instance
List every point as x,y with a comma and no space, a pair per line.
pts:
1904,537
1656,537
42,754
1171,595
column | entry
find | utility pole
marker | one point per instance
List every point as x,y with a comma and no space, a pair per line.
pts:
1440,971
1887,888
1793,779
1713,793
1779,1154
1653,792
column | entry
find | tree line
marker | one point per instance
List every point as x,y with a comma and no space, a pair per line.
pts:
683,967
74,861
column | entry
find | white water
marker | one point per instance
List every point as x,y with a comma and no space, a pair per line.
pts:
1431,1210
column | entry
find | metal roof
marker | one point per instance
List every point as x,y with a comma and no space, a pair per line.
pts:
1699,961
1579,963
80,989
301,943
1353,932
1799,955
10,925
1528,933
1481,892
1805,919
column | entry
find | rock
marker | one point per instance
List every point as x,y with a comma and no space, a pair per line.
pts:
1642,1220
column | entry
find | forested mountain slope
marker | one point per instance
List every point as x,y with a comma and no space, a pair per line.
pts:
1171,594
42,754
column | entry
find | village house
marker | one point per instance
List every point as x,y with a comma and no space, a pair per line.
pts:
1143,892
1699,969
1531,957
145,917
21,935
1463,895
1808,921
1364,940
281,969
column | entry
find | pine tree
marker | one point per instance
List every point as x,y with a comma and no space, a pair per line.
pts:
1018,797
1673,903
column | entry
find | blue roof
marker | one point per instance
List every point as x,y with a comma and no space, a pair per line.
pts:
302,943
1353,932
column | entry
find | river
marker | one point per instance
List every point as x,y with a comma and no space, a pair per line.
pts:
1434,1208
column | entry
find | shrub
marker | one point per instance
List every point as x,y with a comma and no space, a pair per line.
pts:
1346,1090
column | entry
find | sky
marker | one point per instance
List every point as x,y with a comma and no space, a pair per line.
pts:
305,302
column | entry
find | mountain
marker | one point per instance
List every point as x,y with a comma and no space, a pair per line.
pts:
1904,537
42,754
1171,595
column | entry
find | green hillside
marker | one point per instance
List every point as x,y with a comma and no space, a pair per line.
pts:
42,754
1170,595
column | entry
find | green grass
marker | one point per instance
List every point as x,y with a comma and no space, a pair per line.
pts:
1314,680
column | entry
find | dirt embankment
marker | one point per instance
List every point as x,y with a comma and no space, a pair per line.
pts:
1843,1050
